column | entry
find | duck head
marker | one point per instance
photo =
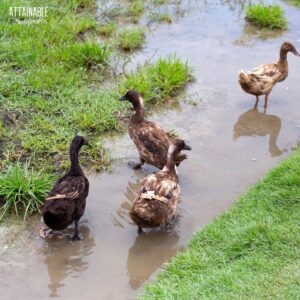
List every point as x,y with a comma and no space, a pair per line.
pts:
175,147
288,47
79,141
179,145
134,97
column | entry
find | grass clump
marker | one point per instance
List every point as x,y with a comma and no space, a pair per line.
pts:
107,29
266,16
22,188
161,18
159,80
136,9
131,38
250,252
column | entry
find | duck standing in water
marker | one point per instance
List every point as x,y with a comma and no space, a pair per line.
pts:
151,141
261,80
66,201
158,197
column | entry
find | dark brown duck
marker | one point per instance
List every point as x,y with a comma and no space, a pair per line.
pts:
158,197
66,201
151,141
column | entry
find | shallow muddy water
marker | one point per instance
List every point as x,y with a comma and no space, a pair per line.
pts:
233,146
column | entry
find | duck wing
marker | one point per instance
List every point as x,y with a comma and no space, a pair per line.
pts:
157,201
153,138
161,186
261,80
69,187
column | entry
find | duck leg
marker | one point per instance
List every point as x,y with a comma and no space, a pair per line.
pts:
256,103
140,230
76,236
266,101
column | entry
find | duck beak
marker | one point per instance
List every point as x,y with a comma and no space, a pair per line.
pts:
123,98
187,147
294,51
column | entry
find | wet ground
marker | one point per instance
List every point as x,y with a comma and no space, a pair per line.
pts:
233,146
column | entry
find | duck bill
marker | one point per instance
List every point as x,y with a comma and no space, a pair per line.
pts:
123,98
187,147
294,51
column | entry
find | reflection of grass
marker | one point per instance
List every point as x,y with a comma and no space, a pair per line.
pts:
23,189
271,16
294,2
251,33
131,38
250,252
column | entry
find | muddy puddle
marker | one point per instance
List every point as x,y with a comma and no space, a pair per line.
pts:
233,146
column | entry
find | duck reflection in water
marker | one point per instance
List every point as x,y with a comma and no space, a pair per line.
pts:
64,259
255,123
150,250
148,253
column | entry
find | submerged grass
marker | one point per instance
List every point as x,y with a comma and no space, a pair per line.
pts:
266,16
250,252
23,189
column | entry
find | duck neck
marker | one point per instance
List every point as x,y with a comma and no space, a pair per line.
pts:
75,168
138,115
171,167
282,63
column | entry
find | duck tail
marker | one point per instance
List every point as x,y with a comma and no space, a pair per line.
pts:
244,79
57,218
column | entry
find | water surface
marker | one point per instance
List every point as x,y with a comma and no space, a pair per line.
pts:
233,146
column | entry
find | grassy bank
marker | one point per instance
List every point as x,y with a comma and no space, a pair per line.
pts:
58,78
250,252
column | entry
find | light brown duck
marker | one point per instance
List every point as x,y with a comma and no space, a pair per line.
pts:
158,197
261,80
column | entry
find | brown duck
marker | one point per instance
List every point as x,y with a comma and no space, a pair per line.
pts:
151,141
66,201
261,80
158,197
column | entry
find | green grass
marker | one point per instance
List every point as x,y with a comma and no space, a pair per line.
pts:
23,189
159,80
250,252
135,10
56,80
161,18
131,38
266,16
107,29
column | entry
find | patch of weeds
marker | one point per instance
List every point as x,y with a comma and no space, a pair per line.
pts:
81,5
135,10
87,55
22,188
161,18
131,38
266,16
159,80
107,29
